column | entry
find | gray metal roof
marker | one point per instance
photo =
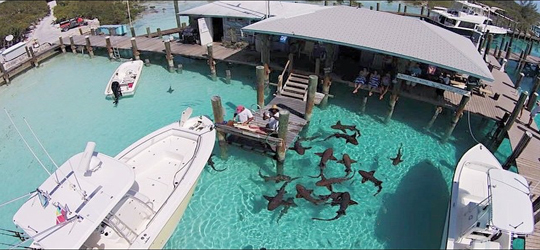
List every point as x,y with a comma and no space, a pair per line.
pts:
251,9
382,32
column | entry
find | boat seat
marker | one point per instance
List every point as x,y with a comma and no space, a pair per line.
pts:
469,198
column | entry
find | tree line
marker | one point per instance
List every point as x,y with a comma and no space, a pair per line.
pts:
108,12
16,18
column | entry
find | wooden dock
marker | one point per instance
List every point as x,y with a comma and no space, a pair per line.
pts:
515,57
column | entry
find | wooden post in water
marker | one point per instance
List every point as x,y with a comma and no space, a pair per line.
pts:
283,128
393,99
509,48
312,90
317,65
510,122
503,65
370,7
428,12
500,125
455,119
519,80
34,58
405,9
109,47
532,101
148,32
72,45
176,14
80,31
62,46
378,6
136,54
259,70
169,56
218,119
228,76
422,11
211,63
179,68
160,35
532,98
488,45
326,87
89,46
291,61
132,29
5,75
92,31
147,62
438,110
525,139
499,53
364,103
399,8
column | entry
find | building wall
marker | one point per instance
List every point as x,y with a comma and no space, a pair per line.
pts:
231,29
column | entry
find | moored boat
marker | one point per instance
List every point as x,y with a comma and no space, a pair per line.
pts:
124,80
134,200
489,206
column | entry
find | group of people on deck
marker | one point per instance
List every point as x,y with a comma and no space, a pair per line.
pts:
244,116
374,81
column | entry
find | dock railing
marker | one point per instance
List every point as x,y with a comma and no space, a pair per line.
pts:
280,77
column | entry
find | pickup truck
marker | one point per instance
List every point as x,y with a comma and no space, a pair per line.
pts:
72,23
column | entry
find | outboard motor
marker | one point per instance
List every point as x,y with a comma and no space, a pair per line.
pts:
115,87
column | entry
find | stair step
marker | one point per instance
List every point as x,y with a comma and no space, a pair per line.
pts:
297,85
299,76
299,80
294,95
293,89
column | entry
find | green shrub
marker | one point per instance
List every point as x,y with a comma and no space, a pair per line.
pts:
17,16
108,12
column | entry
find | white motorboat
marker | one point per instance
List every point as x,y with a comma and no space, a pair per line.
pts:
126,77
134,200
489,206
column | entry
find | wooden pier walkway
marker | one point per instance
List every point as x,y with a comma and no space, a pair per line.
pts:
515,57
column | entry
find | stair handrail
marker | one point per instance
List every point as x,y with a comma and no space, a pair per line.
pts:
280,77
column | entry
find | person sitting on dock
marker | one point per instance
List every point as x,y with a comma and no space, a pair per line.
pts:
243,114
385,84
273,116
361,79
534,112
374,81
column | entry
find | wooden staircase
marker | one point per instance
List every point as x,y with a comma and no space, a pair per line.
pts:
296,86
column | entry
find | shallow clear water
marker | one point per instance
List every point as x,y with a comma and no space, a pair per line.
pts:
63,101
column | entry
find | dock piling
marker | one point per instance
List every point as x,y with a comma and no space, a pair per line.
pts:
291,61
281,148
132,29
519,80
438,110
457,116
146,62
500,126
399,8
148,32
160,35
27,52
228,76
405,9
136,54
317,65
92,31
5,75
510,122
488,45
89,46
503,65
217,109
62,46
168,55
393,100
211,63
364,104
422,10
109,47
532,98
378,6
509,48
326,87
80,31
259,72
532,101
312,90
179,68
72,45
525,139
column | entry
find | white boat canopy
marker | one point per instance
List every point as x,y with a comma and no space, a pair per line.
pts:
381,32
511,204
251,9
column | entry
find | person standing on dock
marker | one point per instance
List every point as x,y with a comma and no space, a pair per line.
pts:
273,116
534,112
243,114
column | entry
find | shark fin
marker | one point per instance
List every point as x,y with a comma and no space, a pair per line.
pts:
333,158
372,172
340,161
351,202
268,198
353,161
319,154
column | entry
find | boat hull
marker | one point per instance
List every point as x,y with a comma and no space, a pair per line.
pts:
127,75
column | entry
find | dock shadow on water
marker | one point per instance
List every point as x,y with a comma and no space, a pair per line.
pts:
414,216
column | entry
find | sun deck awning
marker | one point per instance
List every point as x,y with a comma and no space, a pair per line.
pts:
511,204
381,32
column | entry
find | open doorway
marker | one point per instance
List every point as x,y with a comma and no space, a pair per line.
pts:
217,26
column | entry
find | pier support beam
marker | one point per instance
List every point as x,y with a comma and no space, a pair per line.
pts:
72,45
109,47
176,12
160,35
281,149
532,98
148,32
265,48
517,109
438,110
89,46
5,75
62,46
519,80
211,63
228,76
217,109
503,65
393,99
179,68
132,29
259,72
92,31
509,48
169,56
455,119
499,53
326,87
525,139
317,66
291,62
81,32
312,90
488,45
136,54
379,7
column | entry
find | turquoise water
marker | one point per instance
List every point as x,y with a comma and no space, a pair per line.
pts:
63,101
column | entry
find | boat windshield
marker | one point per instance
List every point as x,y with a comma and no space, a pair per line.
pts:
511,205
